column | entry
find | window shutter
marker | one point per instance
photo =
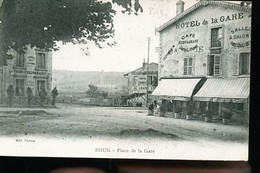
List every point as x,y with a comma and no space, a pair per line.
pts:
236,65
193,66
185,66
220,65
217,65
208,65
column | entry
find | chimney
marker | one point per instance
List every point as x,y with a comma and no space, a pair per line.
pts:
180,7
144,63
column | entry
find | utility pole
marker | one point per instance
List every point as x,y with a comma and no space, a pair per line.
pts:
147,72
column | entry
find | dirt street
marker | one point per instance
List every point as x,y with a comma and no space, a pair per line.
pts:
74,130
74,120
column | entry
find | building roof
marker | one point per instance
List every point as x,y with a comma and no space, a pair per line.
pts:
203,4
224,90
152,67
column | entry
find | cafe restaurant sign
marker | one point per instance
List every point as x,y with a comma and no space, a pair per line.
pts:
30,72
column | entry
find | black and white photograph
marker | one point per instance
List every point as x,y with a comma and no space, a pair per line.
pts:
134,79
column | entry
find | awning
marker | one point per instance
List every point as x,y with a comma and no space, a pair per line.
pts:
224,90
175,89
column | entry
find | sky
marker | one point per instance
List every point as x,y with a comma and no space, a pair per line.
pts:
131,35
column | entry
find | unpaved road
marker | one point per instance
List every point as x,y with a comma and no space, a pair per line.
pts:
88,122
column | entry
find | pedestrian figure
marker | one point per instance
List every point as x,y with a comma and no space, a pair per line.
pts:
29,96
10,93
42,95
150,109
54,94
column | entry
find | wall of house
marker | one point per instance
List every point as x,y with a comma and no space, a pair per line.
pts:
137,83
190,37
30,73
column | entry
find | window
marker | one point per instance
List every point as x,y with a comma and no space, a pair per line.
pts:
150,80
216,37
19,90
214,65
244,63
40,85
20,59
41,60
187,66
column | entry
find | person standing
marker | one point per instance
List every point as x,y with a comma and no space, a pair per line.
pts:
54,94
10,93
29,96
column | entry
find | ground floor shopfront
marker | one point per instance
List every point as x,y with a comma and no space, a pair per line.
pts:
210,99
21,80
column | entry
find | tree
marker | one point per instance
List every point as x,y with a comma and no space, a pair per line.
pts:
93,92
42,23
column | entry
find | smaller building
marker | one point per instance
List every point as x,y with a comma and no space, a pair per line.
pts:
137,82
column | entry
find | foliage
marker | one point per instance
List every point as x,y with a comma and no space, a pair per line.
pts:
151,107
93,92
227,114
10,91
209,113
178,110
42,23
162,108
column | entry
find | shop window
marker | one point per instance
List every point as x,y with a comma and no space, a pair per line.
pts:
216,37
214,65
20,59
214,106
240,106
150,80
40,85
19,90
155,81
41,60
188,63
244,63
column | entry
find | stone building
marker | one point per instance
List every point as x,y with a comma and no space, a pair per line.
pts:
137,83
205,56
28,67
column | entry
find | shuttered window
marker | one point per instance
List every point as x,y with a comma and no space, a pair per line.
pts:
214,65
244,63
188,66
19,90
20,59
41,60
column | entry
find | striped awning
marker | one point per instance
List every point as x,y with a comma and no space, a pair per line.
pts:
175,89
224,90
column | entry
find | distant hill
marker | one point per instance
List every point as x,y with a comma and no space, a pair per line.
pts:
78,81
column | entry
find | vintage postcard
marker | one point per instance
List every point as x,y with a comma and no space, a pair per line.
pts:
143,79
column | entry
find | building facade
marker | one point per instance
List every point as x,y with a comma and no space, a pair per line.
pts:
207,49
28,67
137,83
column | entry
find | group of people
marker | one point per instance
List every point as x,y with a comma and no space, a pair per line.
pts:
42,95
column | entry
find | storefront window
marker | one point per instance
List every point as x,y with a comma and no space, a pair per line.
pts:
40,85
19,90
244,63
